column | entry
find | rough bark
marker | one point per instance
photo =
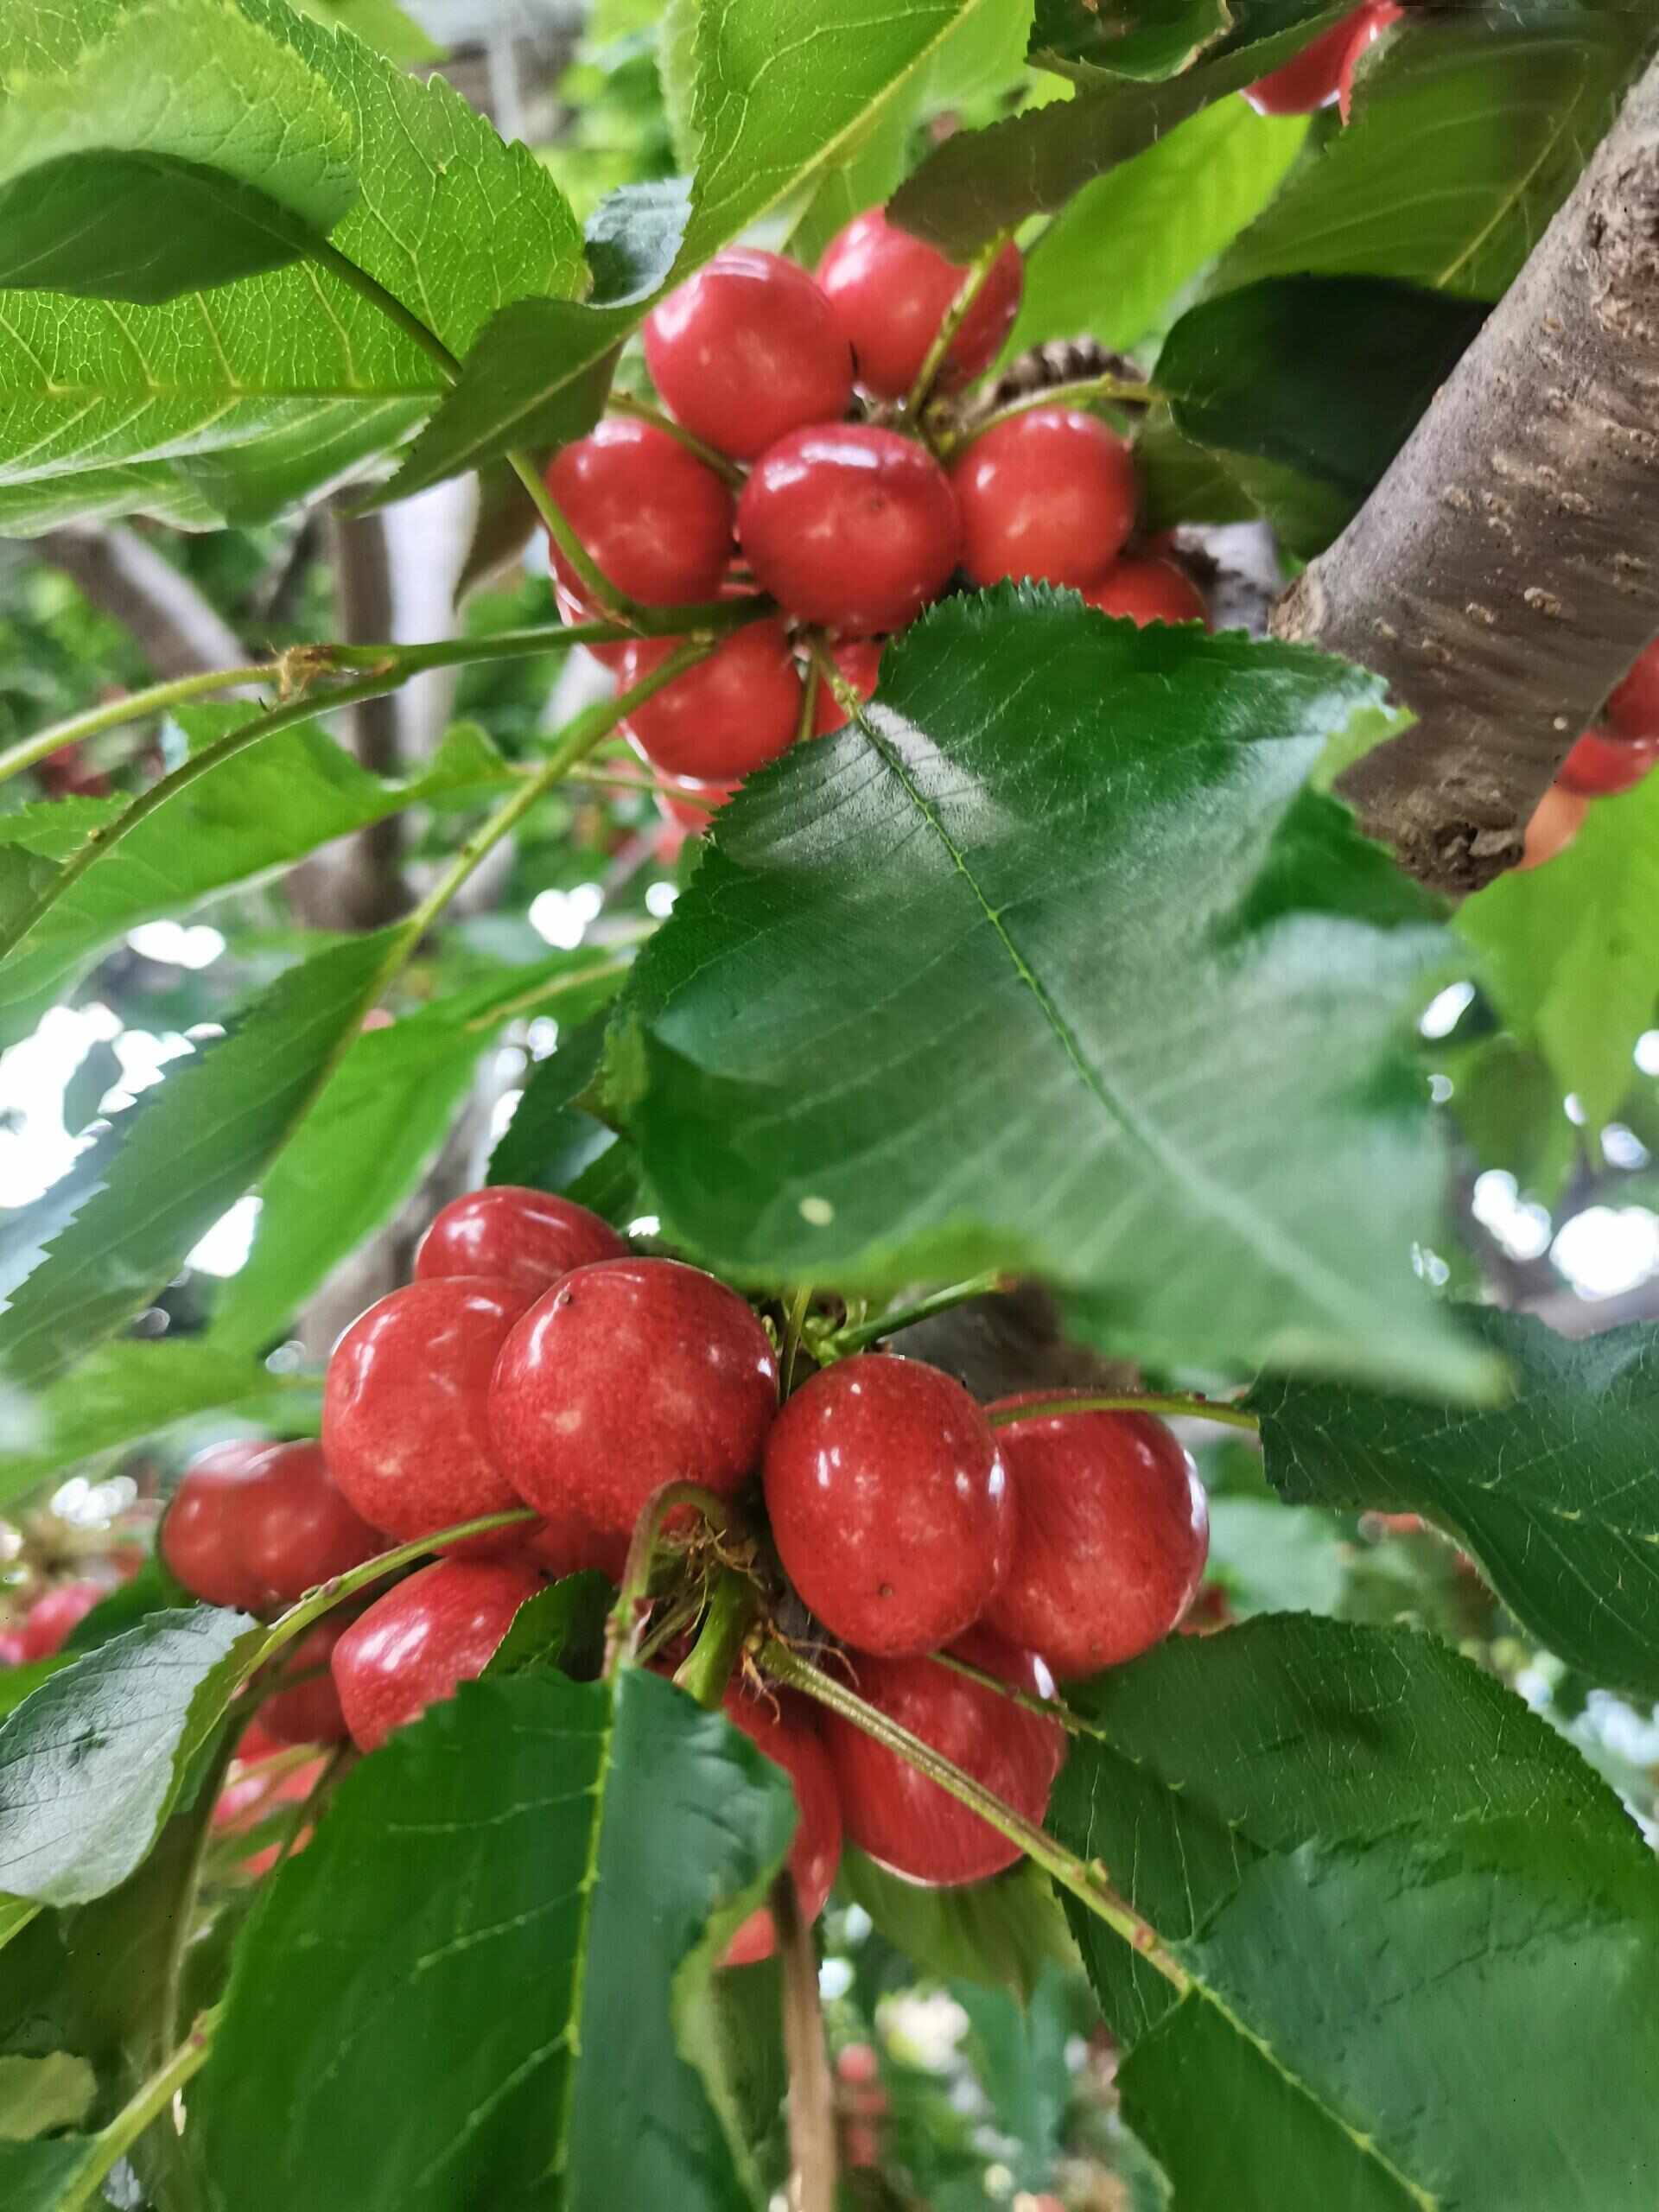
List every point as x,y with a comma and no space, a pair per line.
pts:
1505,573
181,633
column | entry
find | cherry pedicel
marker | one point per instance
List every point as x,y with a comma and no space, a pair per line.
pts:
889,1503
571,611
630,1374
784,1730
414,1646
655,520
748,349
1149,591
726,715
851,525
858,662
890,292
1603,764
1050,494
1111,1532
518,1235
913,1825
1633,706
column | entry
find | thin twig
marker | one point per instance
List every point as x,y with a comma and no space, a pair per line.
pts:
811,2092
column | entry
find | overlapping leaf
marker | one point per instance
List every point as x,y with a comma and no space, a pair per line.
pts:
1086,41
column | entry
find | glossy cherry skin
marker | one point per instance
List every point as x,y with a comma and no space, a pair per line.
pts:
1111,1532
1049,494
656,521
724,717
1601,764
415,1645
1365,32
518,1235
200,1538
627,1375
1309,79
1633,706
404,1405
309,1713
298,1528
889,1503
1556,821
1149,591
790,1739
890,292
748,349
569,1544
51,1619
910,1823
851,525
859,662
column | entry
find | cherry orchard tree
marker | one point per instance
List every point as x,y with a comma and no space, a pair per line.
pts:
456,1809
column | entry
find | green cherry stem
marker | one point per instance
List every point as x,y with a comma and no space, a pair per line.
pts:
146,2105
1171,1407
1119,392
956,314
800,1305
708,1667
134,707
327,1595
842,1341
642,1555
641,410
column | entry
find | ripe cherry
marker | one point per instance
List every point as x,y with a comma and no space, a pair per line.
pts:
851,526
1603,764
297,1527
724,717
51,1619
913,1825
1309,79
690,806
890,292
1633,705
790,1740
1049,494
518,1235
1149,591
200,1538
655,520
1556,821
415,1645
569,1543
748,349
627,1375
310,1712
1369,26
404,1405
858,660
1111,1532
889,1503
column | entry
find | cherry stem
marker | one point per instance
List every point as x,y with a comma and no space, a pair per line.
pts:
708,1667
642,1552
134,707
596,585
1171,1407
1121,392
1046,1708
954,315
146,2105
800,1305
1086,1881
904,1317
811,2092
327,1595
628,403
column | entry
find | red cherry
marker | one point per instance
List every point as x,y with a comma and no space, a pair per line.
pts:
629,1375
724,716
14,1651
1309,79
518,1235
910,1823
309,1713
1366,31
404,1418
51,1620
890,292
748,349
790,1740
858,2065
295,1528
889,1503
572,610
243,1802
859,661
569,1544
415,1645
690,806
1111,1532
1149,591
255,1742
1556,821
200,1538
1049,494
1603,764
1633,705
851,526
657,522
1209,1612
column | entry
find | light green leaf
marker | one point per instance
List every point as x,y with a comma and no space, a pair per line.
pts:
379,23
1044,963
1274,1558
1001,1933
40,2095
1086,40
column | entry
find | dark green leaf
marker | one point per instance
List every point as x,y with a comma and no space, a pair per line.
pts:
1306,387
550,1139
497,1918
562,1626
1180,482
1088,39
1034,966
173,1164
1019,2051
1002,1932
1557,1494
34,2175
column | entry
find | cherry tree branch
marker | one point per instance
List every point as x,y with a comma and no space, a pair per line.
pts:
1504,574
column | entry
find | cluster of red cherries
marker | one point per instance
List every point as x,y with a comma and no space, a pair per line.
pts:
852,525
536,1361
1613,756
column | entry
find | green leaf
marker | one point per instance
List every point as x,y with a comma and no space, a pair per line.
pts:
35,2175
1180,482
559,1626
122,1393
498,1918
1567,956
172,1164
40,2095
1112,262
380,1120
1276,1559
381,24
1305,388
1001,1933
93,1763
1127,38
108,191
1067,976
1469,130
550,1139
1557,1494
